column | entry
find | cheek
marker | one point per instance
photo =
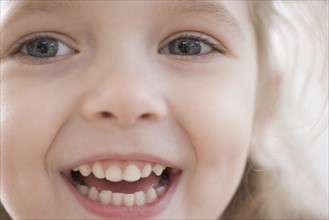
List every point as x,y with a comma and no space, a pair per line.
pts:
220,121
29,118
29,122
219,128
24,143
221,146
220,135
34,105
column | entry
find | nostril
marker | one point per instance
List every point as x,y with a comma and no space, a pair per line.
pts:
146,116
106,114
109,115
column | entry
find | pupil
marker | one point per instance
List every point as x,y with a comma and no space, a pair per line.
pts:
185,46
42,48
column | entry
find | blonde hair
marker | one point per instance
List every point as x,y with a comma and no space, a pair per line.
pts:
291,117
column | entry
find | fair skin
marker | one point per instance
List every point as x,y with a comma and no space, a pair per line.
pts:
115,92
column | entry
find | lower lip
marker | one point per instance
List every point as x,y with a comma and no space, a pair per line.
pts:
111,211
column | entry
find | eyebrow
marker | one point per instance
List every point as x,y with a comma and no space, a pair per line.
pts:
213,8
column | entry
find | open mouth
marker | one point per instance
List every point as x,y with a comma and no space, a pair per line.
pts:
138,187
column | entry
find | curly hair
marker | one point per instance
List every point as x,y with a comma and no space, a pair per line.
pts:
291,120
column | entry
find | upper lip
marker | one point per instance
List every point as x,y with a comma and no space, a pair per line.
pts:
79,142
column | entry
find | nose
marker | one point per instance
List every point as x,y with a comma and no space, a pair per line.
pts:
125,99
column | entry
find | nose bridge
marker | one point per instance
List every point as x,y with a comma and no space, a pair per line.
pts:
124,94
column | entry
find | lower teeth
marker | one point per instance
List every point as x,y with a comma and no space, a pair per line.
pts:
107,197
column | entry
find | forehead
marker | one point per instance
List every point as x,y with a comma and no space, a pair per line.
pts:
230,13
12,10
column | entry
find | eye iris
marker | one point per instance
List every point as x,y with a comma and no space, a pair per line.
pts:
185,46
42,48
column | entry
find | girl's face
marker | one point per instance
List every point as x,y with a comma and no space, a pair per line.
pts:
97,94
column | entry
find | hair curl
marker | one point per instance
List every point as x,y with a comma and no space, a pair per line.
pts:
279,181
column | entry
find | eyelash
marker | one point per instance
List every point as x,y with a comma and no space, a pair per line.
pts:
17,54
218,48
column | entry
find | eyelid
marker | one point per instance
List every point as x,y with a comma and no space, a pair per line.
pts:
19,44
205,38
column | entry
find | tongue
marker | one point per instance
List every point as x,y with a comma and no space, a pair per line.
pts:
143,184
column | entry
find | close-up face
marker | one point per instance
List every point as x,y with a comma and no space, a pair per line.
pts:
115,109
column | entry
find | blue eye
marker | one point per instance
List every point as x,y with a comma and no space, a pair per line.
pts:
46,48
187,47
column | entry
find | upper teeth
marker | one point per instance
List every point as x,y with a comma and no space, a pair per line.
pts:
116,173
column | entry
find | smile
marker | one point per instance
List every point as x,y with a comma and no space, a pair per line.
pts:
123,189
